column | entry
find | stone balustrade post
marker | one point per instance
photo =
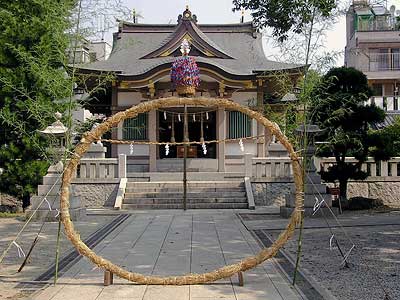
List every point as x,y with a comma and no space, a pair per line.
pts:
122,166
248,165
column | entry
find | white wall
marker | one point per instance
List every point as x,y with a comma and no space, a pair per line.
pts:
138,150
244,97
232,148
129,98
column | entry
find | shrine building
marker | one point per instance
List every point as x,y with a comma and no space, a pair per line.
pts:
232,65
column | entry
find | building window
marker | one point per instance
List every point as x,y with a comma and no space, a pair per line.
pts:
385,103
395,103
377,89
135,129
379,59
396,58
239,125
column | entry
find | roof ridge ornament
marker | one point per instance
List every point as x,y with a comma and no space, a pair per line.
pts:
187,16
185,47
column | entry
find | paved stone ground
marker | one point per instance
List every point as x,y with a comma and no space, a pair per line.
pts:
43,254
175,243
374,262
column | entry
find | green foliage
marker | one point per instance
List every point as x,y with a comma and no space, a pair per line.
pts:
385,143
361,203
338,106
32,77
7,215
285,15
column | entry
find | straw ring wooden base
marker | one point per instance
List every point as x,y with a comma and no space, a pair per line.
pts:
224,272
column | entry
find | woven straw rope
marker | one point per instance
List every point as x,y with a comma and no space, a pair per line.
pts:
224,272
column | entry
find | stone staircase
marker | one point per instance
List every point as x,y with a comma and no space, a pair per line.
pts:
200,194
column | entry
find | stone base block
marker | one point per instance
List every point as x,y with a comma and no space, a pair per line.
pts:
286,212
313,178
74,202
309,200
77,214
314,188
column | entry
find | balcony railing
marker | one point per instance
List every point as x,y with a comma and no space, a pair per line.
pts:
385,102
384,62
379,25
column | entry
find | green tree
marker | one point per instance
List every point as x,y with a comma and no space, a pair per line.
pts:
338,105
385,143
32,76
285,15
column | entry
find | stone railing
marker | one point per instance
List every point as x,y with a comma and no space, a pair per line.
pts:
269,168
279,169
101,168
381,170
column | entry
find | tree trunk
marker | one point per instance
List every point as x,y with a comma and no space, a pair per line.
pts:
343,193
26,201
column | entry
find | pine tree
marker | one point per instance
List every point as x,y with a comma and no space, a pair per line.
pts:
32,79
338,105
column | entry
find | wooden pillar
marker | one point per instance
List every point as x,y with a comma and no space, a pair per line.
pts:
114,105
221,135
152,132
261,151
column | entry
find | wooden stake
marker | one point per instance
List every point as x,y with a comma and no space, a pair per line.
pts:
241,280
108,278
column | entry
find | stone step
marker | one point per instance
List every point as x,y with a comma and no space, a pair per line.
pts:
180,190
205,201
178,176
314,188
180,185
189,206
189,195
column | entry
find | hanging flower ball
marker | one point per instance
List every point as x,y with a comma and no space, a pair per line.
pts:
185,72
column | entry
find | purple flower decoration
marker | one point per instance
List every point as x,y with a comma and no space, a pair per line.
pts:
185,72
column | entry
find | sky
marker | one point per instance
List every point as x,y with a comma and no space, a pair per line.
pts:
220,11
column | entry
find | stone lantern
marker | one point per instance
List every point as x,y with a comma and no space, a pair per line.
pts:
57,132
317,202
50,188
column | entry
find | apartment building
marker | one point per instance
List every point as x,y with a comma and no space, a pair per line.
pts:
373,47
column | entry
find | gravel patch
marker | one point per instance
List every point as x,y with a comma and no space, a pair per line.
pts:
374,262
43,255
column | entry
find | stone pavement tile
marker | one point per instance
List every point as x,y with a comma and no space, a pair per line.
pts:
167,293
48,293
204,268
119,291
79,291
222,298
257,291
286,290
212,291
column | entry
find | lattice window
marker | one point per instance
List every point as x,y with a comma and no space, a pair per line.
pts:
136,128
239,125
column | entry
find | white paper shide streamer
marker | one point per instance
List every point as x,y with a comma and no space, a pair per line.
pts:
317,205
166,149
19,248
204,148
241,145
131,149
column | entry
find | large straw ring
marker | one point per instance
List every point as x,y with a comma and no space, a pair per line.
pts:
224,272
